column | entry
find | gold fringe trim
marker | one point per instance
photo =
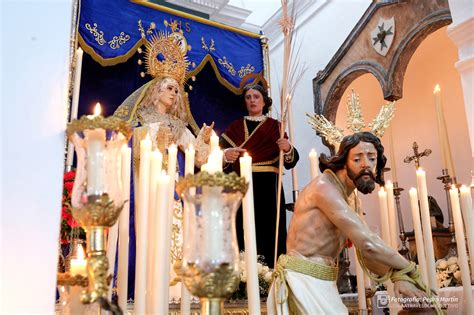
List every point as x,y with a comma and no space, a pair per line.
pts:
105,62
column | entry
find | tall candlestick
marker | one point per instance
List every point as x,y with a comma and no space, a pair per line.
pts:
214,141
466,206
393,166
142,225
443,134
249,237
75,100
162,233
426,224
392,215
188,169
462,256
124,221
314,163
384,215
420,246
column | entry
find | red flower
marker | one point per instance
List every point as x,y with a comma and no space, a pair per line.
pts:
68,186
72,223
65,215
69,176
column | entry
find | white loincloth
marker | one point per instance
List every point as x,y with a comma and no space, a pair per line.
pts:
312,296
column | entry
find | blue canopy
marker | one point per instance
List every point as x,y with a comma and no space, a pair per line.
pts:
112,31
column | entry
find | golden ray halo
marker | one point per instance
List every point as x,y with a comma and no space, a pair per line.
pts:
164,57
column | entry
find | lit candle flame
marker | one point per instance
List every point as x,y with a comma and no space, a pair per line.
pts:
246,154
97,109
190,147
437,89
147,136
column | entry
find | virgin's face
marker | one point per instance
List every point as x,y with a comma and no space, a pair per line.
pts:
254,102
169,92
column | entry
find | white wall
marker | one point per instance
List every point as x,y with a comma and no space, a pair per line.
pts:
34,57
321,29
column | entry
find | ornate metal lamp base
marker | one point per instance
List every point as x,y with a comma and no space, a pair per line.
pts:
212,306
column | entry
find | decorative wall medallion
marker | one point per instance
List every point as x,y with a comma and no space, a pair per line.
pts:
381,37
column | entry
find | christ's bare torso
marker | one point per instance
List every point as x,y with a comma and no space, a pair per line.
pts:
311,234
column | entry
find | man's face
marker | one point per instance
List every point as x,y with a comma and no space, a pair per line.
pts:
361,166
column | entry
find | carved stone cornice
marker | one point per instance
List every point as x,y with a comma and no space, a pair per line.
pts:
414,21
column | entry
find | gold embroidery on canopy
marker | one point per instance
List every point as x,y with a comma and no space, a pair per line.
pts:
229,66
98,35
246,70
118,41
205,47
149,31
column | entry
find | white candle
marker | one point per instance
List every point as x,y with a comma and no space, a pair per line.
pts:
156,159
79,264
162,233
443,133
392,215
189,160
426,224
75,100
420,246
249,237
384,215
188,169
461,246
214,161
314,163
466,206
214,141
393,166
124,221
141,216
360,285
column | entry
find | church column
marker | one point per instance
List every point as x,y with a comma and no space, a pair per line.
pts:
460,32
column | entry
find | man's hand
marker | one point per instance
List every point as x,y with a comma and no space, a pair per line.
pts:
407,289
206,132
284,145
232,154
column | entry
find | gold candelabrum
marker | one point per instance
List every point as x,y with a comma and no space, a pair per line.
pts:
210,265
97,197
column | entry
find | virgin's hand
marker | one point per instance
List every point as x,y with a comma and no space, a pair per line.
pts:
407,289
284,145
232,154
207,131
